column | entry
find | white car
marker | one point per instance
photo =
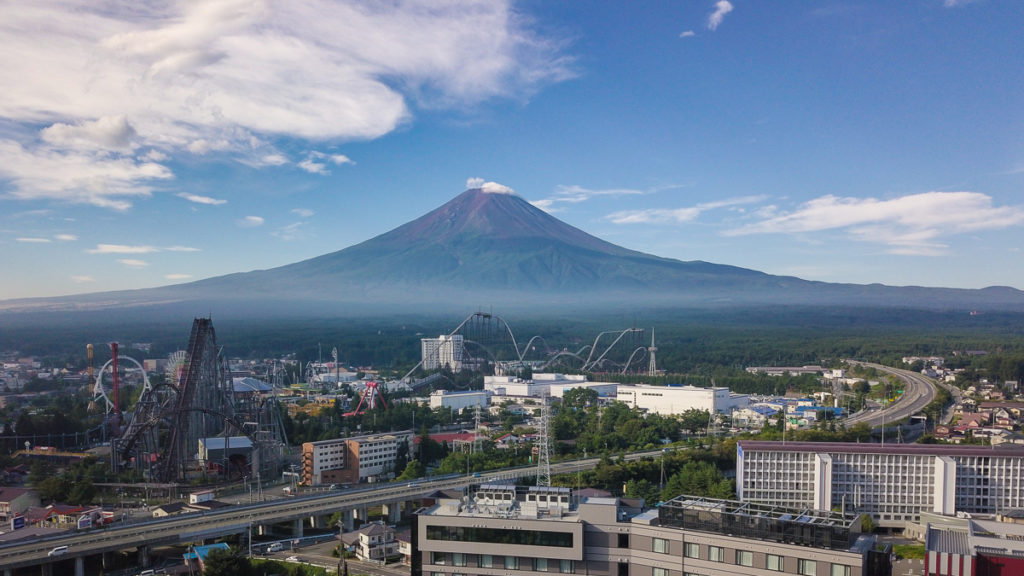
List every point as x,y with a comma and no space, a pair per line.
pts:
292,559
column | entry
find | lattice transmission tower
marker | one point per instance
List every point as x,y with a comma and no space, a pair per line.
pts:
544,447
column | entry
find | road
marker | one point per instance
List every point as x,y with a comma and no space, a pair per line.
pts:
186,528
918,391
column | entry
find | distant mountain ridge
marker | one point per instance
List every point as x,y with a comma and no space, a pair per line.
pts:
487,248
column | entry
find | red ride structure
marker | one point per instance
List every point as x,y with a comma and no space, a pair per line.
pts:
372,391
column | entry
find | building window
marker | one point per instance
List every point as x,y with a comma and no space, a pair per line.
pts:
511,562
486,561
840,570
744,557
437,558
660,545
659,572
623,540
458,559
623,569
540,564
774,563
716,554
691,550
566,566
806,567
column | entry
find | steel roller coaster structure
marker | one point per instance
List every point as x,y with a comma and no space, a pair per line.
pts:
495,342
197,402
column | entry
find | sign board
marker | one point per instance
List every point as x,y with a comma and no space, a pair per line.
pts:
84,521
17,522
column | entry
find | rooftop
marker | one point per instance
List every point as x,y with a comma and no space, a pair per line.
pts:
858,448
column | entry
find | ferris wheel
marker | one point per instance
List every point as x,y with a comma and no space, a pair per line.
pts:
104,387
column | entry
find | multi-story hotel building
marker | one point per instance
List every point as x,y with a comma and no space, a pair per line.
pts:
893,483
353,460
500,530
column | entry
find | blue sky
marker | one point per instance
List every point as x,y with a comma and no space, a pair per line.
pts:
865,142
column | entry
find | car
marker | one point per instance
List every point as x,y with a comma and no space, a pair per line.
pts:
58,551
292,559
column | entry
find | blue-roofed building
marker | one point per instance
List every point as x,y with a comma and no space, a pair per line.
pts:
196,556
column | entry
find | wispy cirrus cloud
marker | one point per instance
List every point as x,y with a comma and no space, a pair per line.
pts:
573,194
915,224
144,86
303,212
177,276
133,263
32,240
66,237
687,34
677,215
82,279
122,249
201,199
250,222
137,249
722,7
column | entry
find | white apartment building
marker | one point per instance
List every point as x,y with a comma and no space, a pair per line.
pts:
443,351
893,483
679,399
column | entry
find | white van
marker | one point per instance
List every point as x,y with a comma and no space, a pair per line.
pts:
275,547
58,551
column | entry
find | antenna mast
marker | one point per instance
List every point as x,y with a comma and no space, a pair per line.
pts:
652,369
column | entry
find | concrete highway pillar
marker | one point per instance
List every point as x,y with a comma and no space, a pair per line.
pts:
410,507
362,515
48,569
317,521
107,561
348,520
143,556
392,512
297,528
8,572
80,566
262,530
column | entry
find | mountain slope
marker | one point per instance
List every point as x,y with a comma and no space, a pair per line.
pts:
495,249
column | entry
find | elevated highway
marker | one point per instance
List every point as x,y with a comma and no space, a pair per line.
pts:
918,391
196,527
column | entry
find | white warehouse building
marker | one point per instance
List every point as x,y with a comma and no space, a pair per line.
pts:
679,399
459,401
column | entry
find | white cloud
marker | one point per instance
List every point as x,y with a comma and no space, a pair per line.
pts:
107,132
274,160
315,162
177,276
141,85
181,249
33,240
314,167
304,212
82,279
201,199
955,3
474,183
722,7
133,263
495,188
76,176
66,237
687,34
676,215
250,222
122,249
912,224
